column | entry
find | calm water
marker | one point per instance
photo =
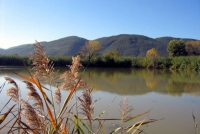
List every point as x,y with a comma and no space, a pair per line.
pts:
170,95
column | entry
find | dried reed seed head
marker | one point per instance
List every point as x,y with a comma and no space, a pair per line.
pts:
57,95
81,83
86,104
72,77
125,109
75,64
30,86
33,94
87,96
67,75
11,81
13,93
42,67
36,97
67,84
30,115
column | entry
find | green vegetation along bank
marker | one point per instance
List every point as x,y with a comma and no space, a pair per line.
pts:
175,63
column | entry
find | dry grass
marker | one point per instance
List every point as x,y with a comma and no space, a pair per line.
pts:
71,77
13,92
57,95
125,109
30,116
42,67
33,94
86,105
40,116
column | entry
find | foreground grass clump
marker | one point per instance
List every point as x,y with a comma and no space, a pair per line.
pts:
38,113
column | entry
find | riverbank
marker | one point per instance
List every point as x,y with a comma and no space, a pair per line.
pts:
174,63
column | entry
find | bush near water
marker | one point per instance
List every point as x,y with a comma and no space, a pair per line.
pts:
183,62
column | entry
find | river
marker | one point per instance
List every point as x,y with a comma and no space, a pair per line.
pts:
171,96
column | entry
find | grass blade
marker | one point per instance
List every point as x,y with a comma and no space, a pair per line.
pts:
81,122
114,131
139,122
133,117
78,128
3,117
137,127
104,110
102,128
143,123
1,87
7,123
53,122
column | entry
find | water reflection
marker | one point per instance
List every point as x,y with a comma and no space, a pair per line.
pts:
127,81
141,81
178,88
170,94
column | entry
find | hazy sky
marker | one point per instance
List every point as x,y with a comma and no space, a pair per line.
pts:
24,21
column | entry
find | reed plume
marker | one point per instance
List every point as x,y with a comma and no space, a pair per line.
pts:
30,115
33,94
11,81
125,109
42,67
13,92
86,105
71,77
57,95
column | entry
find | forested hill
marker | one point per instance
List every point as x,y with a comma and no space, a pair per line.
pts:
127,45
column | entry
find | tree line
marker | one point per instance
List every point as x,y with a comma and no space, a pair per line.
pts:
180,48
181,56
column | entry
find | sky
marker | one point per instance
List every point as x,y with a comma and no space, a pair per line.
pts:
24,21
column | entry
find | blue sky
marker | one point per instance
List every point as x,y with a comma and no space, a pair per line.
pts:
24,21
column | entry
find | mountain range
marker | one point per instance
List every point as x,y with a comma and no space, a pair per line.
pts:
126,44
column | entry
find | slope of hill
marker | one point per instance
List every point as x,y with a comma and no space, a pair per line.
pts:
126,44
132,45
62,47
1,50
166,40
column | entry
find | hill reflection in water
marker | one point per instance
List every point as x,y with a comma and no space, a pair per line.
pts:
127,81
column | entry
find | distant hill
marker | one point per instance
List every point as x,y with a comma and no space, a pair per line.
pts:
166,40
1,50
61,47
126,44
132,45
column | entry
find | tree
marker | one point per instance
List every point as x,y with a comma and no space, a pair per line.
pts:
152,56
176,48
90,49
113,53
193,47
